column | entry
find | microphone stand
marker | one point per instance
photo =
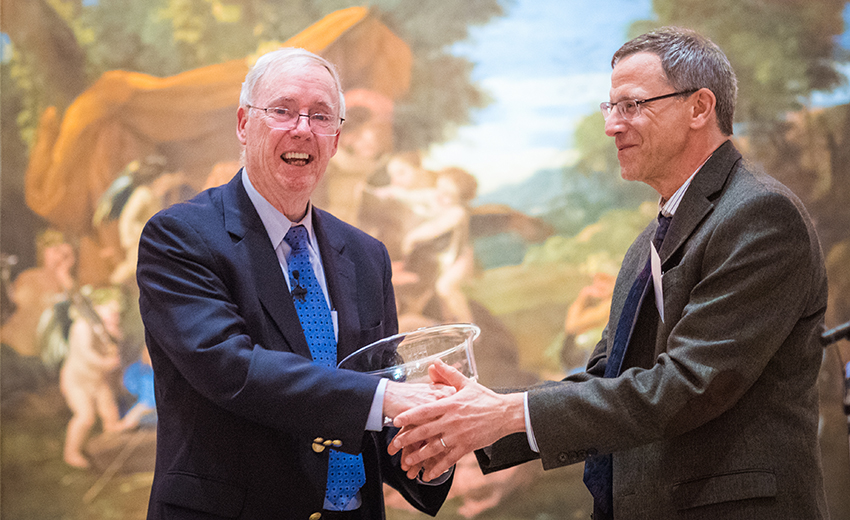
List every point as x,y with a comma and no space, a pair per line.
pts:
829,337
835,334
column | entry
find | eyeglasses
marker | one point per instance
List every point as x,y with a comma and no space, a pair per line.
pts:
630,108
282,118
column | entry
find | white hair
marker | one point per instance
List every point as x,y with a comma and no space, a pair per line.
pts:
288,57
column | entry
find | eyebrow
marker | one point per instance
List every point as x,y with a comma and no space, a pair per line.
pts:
284,101
626,97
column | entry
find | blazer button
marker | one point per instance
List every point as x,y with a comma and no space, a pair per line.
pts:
563,457
315,516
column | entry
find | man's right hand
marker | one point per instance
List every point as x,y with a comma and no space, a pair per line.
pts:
436,435
400,397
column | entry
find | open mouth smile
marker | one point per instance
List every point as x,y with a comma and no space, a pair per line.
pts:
297,158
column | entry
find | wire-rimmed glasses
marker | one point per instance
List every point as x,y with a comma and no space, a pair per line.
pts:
630,108
283,118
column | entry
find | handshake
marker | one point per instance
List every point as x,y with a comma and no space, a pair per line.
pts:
443,421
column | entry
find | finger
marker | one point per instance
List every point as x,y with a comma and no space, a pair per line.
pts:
394,447
447,374
438,469
422,414
413,435
436,376
432,448
414,470
439,464
422,470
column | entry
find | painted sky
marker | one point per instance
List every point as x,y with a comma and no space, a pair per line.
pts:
546,64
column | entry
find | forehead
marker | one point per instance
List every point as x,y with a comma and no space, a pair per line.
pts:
303,82
637,76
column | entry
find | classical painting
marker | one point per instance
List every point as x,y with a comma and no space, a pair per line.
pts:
473,147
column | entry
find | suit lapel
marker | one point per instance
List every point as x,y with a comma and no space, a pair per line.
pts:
242,222
341,278
697,202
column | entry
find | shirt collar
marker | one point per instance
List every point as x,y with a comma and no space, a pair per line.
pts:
668,207
274,221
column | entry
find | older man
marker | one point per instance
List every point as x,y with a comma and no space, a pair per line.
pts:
250,296
699,402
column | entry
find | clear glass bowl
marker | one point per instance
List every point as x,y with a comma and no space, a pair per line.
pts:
406,357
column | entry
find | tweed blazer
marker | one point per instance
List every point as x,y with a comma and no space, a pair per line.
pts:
243,413
715,412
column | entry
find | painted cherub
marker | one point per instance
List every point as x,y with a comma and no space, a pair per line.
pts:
88,374
455,188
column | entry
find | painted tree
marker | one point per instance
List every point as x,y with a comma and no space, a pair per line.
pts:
60,47
782,51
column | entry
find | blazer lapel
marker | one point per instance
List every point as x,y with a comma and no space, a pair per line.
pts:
341,278
697,202
242,222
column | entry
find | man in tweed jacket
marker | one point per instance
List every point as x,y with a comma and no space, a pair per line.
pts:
713,413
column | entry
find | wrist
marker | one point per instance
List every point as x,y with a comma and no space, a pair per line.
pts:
514,413
392,404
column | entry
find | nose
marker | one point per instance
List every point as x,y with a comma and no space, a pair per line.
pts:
302,125
614,123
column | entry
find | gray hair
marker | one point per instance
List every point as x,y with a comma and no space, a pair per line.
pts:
287,57
690,62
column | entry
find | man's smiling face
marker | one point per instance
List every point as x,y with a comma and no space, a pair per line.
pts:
286,165
649,145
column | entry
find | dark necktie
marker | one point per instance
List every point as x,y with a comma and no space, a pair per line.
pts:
346,474
598,470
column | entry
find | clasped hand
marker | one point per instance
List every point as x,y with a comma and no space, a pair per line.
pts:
435,435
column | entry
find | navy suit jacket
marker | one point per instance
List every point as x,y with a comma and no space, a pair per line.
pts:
242,409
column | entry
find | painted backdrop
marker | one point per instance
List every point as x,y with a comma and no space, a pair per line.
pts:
473,147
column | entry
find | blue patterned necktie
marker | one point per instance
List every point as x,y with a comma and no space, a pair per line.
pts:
598,470
346,474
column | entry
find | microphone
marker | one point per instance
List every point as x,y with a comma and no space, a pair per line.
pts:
298,291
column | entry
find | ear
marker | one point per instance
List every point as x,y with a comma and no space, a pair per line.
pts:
702,108
336,143
241,121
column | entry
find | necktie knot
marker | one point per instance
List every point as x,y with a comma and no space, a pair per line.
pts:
661,230
296,237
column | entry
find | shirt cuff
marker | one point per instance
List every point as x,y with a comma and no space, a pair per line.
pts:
375,422
529,432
